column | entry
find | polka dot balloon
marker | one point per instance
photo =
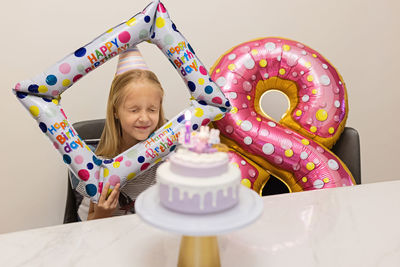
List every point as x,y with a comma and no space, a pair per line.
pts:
40,95
289,149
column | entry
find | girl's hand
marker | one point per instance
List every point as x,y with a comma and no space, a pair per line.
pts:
106,205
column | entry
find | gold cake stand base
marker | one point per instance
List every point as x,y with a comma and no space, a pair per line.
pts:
199,245
199,251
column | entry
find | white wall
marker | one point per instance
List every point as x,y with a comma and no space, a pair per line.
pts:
359,37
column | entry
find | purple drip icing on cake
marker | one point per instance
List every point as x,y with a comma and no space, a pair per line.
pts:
197,204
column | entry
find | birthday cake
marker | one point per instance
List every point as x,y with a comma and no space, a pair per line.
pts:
198,178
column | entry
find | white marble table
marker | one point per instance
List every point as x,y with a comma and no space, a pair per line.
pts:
354,226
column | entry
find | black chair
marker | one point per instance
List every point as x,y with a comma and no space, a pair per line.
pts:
89,131
347,149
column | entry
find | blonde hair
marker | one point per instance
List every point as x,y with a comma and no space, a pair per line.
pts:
110,140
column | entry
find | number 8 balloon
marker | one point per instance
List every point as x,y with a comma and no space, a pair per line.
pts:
295,149
41,96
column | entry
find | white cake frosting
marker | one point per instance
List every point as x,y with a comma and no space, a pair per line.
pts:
200,158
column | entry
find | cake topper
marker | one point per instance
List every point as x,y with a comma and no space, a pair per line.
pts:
202,141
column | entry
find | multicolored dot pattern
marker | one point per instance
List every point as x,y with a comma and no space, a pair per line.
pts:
41,95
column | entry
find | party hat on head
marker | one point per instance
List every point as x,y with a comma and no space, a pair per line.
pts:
129,60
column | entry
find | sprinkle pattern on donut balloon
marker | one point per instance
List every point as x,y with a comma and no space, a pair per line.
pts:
41,96
294,149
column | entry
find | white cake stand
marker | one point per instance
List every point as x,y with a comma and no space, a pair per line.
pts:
199,245
149,208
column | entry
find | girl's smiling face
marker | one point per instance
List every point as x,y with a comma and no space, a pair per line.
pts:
139,112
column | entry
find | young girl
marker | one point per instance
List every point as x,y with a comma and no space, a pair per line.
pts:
134,111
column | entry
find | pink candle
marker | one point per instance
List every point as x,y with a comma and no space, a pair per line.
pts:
187,126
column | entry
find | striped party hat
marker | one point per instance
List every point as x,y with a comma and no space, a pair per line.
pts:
129,60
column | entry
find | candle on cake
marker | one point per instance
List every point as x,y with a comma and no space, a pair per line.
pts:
188,124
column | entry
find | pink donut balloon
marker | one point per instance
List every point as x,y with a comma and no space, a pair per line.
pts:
295,149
